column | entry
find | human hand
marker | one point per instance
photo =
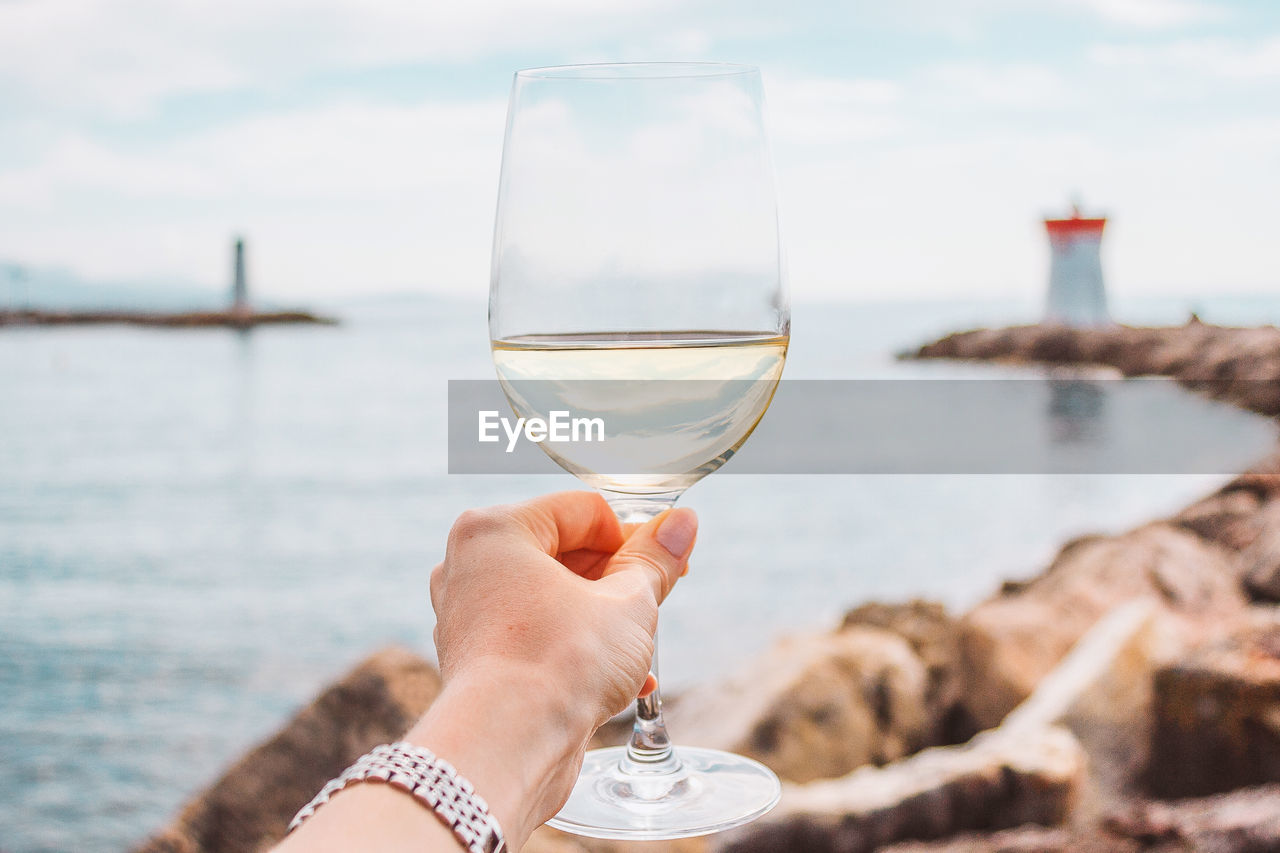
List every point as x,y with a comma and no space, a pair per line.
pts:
546,613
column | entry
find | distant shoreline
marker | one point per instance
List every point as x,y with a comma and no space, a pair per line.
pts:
181,319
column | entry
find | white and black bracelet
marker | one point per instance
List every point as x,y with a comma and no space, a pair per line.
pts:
432,781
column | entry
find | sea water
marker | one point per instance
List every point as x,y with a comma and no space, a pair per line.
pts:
201,528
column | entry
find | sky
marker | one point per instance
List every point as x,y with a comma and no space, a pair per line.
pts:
357,143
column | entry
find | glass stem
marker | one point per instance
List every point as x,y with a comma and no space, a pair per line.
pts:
649,750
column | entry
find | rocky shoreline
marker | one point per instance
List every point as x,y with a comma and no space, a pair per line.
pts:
1127,698
1237,365
181,320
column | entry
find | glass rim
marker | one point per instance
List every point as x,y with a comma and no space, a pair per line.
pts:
612,71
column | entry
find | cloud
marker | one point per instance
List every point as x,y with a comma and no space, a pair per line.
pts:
816,110
1227,59
353,194
924,174
75,163
1191,212
340,151
969,20
966,84
1148,14
121,57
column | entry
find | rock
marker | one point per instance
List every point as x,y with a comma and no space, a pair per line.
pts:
1240,366
1029,839
1263,479
1262,556
1054,345
1244,821
1217,714
186,319
1008,643
1244,516
933,635
815,706
996,781
1101,692
1228,518
250,807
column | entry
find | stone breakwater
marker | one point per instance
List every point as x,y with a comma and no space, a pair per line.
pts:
180,320
1239,366
1126,698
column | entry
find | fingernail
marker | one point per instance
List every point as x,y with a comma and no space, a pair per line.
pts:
677,531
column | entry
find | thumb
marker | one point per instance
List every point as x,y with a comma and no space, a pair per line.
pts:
658,552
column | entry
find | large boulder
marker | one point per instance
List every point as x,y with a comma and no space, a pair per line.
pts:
815,706
1261,557
1229,517
1008,643
1101,692
1263,479
996,781
1217,714
249,808
1024,839
1242,516
1243,821
933,635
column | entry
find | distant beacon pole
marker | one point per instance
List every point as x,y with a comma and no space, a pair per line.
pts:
240,288
1076,293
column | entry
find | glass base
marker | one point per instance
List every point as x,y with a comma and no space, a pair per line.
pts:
711,791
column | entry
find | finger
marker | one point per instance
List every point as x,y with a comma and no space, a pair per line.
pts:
650,685
657,552
570,521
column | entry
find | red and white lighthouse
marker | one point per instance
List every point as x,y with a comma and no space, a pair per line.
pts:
1077,296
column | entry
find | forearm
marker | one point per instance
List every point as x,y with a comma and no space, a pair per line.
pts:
508,738
372,817
499,734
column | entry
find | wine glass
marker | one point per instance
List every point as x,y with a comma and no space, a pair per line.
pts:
637,277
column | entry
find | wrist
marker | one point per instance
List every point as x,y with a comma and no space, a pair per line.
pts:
496,726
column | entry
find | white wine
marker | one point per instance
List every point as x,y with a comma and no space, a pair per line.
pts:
675,405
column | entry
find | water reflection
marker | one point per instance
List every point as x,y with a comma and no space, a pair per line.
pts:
242,423
1077,411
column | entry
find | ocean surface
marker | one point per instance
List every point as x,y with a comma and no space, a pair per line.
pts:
200,528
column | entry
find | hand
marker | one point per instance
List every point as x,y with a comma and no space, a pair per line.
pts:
545,620
545,613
